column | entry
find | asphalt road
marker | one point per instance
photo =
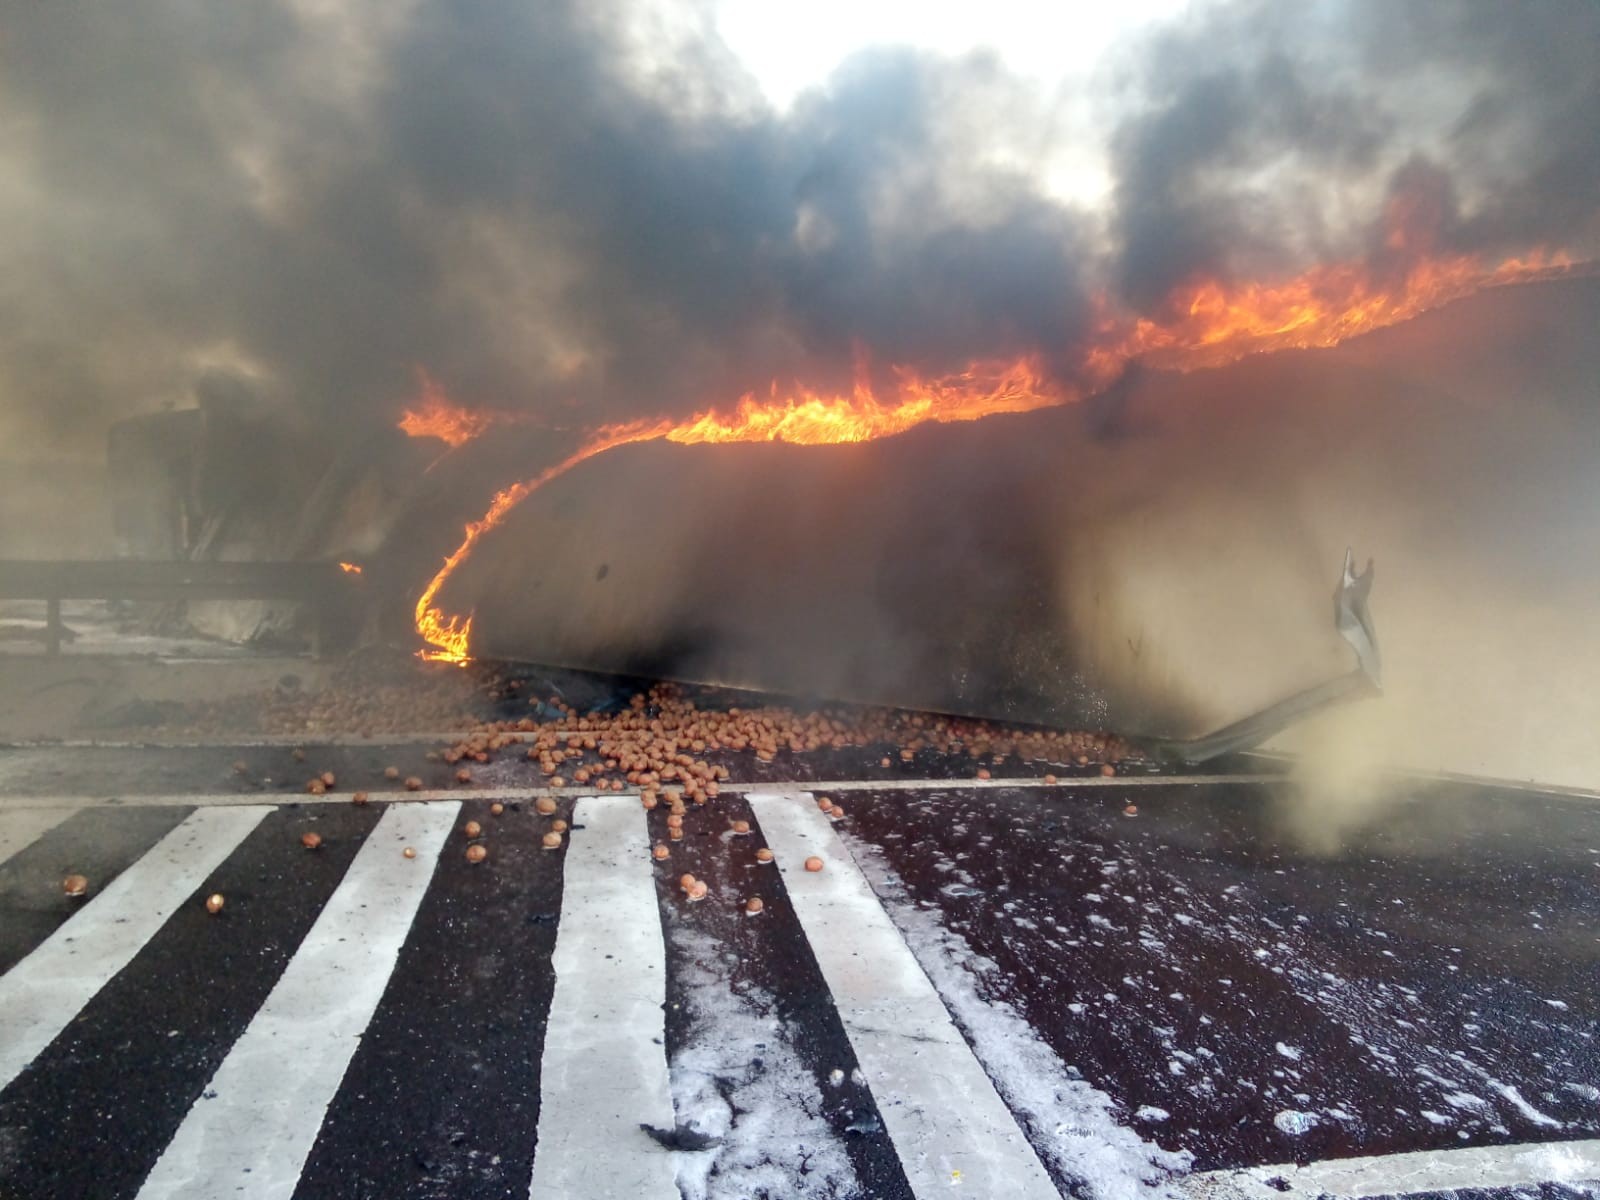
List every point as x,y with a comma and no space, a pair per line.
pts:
1153,995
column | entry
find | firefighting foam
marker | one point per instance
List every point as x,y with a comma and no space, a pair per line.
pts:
1205,324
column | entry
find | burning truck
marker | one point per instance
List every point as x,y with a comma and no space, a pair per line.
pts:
997,546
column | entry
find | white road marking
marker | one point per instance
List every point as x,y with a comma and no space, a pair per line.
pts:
1400,1174
246,741
1062,784
42,993
949,1126
24,826
250,1131
604,1070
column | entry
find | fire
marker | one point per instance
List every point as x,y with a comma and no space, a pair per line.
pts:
1213,325
350,568
1206,324
809,419
437,417
805,419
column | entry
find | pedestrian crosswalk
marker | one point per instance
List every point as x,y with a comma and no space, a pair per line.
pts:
47,989
374,1013
247,1116
253,1127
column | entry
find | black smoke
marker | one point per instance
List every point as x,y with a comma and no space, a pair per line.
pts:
580,211
1261,137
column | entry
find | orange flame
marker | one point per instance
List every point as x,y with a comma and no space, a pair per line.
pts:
1322,307
350,568
1210,324
437,417
807,419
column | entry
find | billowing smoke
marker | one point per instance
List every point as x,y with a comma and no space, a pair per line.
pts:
1266,136
588,210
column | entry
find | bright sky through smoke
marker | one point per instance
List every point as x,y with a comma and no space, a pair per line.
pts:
791,46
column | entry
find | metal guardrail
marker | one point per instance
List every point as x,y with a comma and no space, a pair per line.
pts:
325,585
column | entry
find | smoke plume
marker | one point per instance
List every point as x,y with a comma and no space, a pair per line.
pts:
588,211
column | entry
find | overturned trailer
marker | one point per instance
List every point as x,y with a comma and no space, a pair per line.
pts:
995,569
1154,562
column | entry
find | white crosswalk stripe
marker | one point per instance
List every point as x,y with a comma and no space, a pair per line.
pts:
605,1066
948,1124
42,993
24,826
250,1133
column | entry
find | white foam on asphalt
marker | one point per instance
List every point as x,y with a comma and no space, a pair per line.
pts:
736,1077
1072,1124
949,1127
250,1131
1403,1174
43,992
604,1070
24,826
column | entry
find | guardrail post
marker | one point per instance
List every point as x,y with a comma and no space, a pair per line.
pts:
52,625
